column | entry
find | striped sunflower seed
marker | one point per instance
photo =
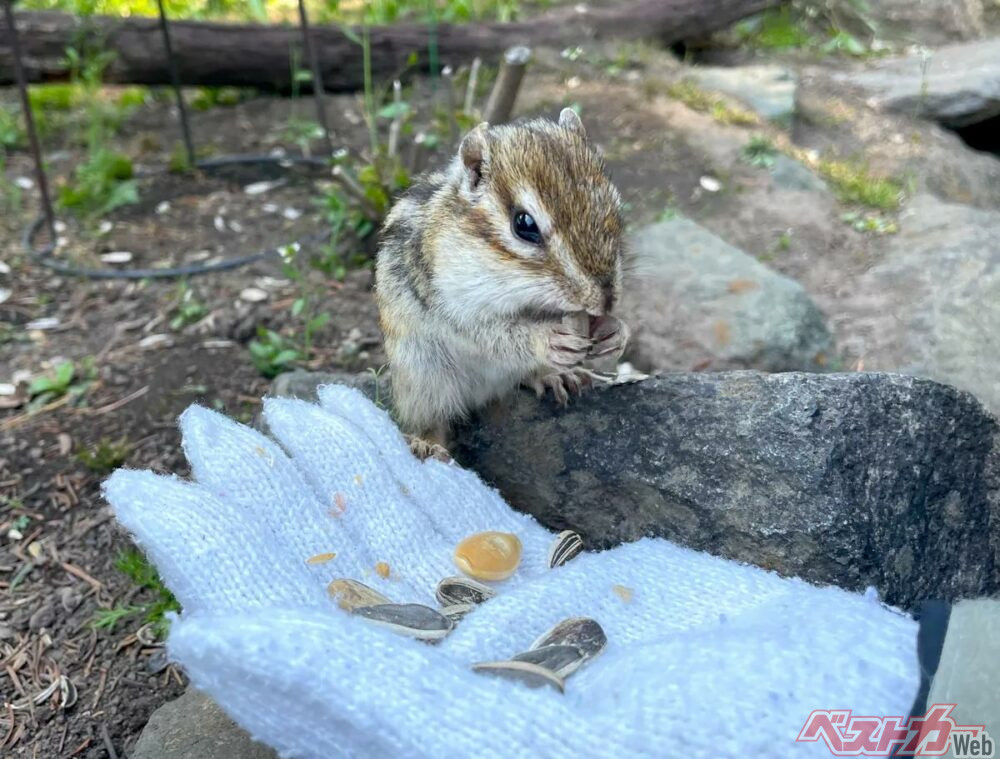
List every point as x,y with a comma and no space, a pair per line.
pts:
455,612
462,590
351,594
565,547
527,673
581,632
412,620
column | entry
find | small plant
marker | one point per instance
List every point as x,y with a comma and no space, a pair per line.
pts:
100,184
760,152
137,568
870,222
207,98
273,354
106,456
854,184
64,380
11,134
188,309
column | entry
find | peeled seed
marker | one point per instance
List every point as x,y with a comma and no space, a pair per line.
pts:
321,558
456,612
565,547
462,590
562,661
489,555
582,632
382,570
527,673
351,594
413,620
623,592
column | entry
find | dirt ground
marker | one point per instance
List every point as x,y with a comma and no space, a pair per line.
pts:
58,542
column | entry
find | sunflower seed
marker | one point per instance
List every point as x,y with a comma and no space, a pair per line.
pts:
413,620
562,661
532,675
565,547
351,594
455,612
582,632
462,590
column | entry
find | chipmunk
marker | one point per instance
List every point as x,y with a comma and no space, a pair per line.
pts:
500,270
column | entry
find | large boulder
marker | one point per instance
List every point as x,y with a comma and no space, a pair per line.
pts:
942,319
696,302
956,85
852,479
925,22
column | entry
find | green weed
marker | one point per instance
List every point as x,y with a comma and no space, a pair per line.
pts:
137,568
759,151
854,184
106,456
102,183
64,380
188,310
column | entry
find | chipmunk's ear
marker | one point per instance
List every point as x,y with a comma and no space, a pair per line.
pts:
570,119
473,152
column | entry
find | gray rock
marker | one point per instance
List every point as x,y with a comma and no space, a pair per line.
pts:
694,301
956,85
789,174
926,22
970,667
194,727
767,88
943,320
852,479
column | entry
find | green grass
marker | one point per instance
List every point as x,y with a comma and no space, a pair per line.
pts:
102,183
697,99
137,568
853,183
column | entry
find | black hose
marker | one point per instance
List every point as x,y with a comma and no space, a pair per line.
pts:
43,256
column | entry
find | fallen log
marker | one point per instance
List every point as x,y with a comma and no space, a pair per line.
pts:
250,55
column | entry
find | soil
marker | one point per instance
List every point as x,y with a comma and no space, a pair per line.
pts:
58,541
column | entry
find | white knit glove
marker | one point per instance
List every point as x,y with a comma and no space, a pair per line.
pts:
708,658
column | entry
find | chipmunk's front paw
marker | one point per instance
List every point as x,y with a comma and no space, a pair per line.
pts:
426,449
609,336
568,382
566,349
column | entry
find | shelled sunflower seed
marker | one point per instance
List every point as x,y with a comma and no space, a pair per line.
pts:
411,620
527,673
351,594
462,590
581,632
565,547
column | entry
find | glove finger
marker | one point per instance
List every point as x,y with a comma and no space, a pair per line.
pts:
334,456
455,500
204,551
250,471
318,685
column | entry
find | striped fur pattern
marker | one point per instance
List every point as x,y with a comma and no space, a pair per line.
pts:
468,308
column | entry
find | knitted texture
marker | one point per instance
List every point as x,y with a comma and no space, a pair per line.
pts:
708,658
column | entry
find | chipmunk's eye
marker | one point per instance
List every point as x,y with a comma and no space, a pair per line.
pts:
526,228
